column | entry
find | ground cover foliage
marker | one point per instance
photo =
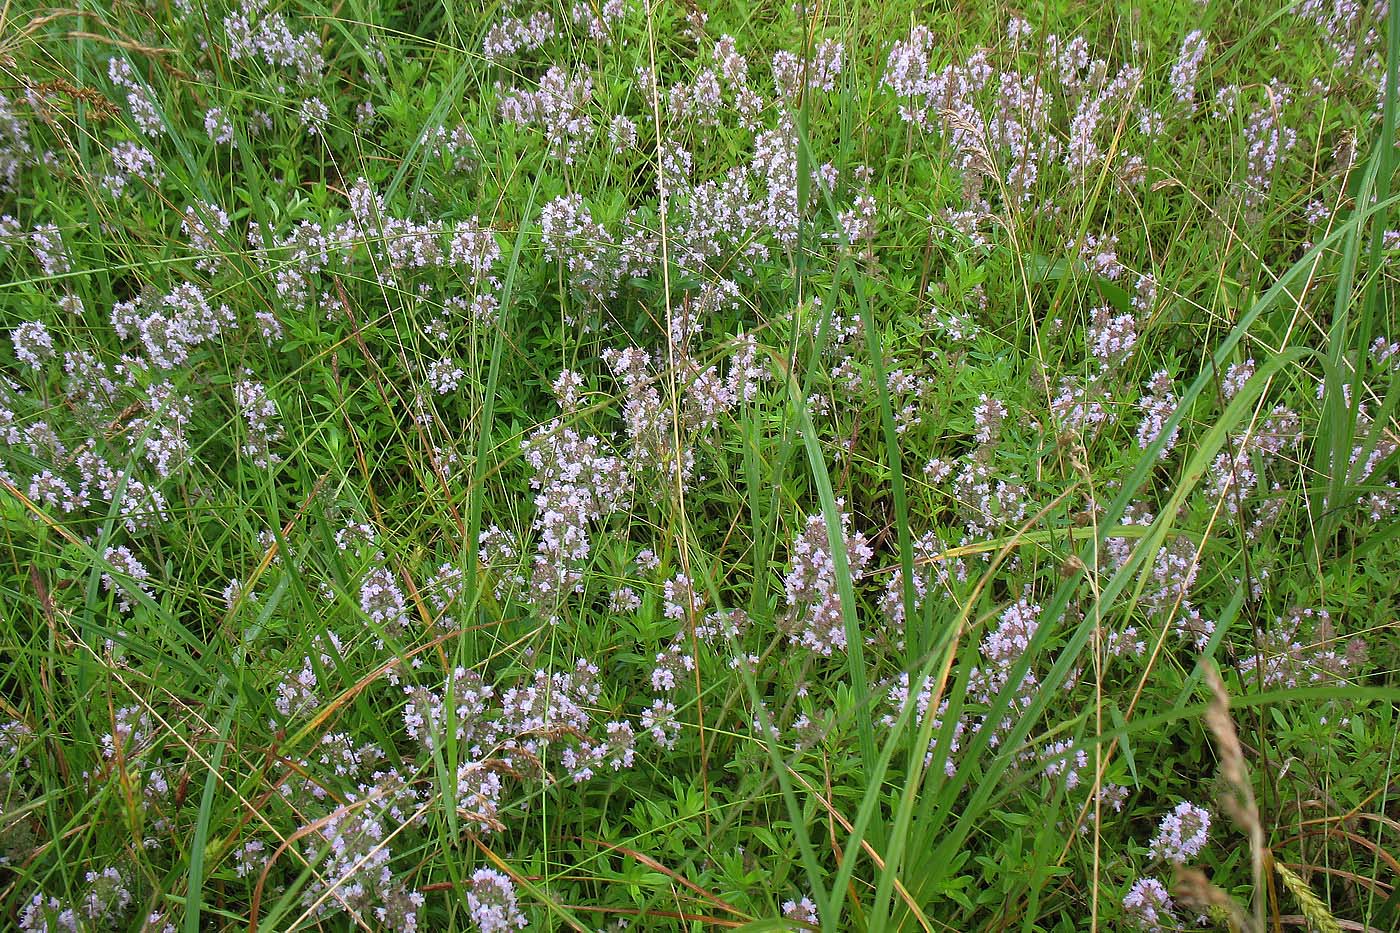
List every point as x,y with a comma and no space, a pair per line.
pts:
639,465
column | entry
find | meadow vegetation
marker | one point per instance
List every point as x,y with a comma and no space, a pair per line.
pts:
624,464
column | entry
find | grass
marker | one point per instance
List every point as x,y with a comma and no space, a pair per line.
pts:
945,528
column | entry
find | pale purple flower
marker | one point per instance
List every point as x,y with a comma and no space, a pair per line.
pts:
1302,647
1157,406
131,162
988,416
382,600
50,489
1149,907
314,115
1111,338
512,35
1235,377
660,722
1267,141
559,107
1187,67
219,127
1012,636
444,375
1182,833
492,902
46,242
816,620
803,911
33,344
256,33
260,416
479,790
1386,353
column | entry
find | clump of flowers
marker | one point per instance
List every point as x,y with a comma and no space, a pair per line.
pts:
1182,833
1149,907
1303,647
492,902
33,344
105,903
1158,405
465,697
816,620
802,911
125,563
356,866
586,248
382,600
296,691
254,32
1188,67
577,482
560,107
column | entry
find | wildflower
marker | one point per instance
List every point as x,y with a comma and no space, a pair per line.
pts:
162,429
545,702
1235,378
660,722
598,20
255,33
126,564
803,911
1182,833
1386,353
479,791
512,35
474,249
425,715
218,126
577,482
624,599
1101,256
236,591
491,902
1082,406
356,865
1302,647
937,470
1149,907
314,115
205,224
249,858
33,344
1157,406
1013,635
816,620
296,693
623,133
1111,338
444,375
559,107
260,419
1267,140
1187,67
681,601
47,915
1063,758
988,415
584,246
131,162
382,600
1145,293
